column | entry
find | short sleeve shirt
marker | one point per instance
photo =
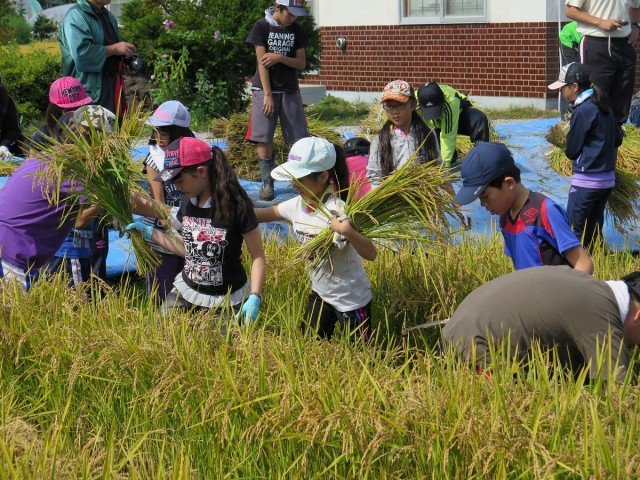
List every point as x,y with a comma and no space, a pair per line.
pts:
213,248
605,9
347,286
539,235
284,41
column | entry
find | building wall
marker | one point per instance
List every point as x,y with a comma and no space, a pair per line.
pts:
514,61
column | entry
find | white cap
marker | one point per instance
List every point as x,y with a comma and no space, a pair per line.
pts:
308,155
170,113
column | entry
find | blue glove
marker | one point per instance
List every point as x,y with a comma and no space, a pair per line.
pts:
250,309
145,230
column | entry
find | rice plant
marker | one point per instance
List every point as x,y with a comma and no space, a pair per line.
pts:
99,170
111,388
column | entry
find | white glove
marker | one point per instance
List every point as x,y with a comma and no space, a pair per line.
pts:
465,218
4,152
339,240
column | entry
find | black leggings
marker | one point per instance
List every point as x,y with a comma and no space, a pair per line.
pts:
323,317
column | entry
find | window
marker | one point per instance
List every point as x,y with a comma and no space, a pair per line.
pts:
443,11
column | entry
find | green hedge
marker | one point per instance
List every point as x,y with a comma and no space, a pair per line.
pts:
27,76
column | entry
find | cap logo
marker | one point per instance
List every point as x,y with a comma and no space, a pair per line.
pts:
72,93
166,175
163,115
294,157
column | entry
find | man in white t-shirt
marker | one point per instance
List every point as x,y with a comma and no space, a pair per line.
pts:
610,29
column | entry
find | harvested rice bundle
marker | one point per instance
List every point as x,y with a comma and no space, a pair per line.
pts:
622,205
623,202
628,152
559,161
557,134
411,204
99,164
242,154
7,168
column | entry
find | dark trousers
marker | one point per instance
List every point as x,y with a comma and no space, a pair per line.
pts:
474,123
100,249
323,317
585,209
614,73
162,277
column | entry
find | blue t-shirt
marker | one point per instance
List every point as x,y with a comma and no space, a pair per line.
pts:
539,235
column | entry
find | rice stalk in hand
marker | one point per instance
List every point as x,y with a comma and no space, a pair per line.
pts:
557,134
411,205
98,169
622,204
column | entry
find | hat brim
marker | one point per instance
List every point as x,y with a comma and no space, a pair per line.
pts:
395,97
168,174
429,113
297,11
556,85
468,194
76,104
288,171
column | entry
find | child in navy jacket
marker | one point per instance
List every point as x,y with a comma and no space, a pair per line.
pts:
592,143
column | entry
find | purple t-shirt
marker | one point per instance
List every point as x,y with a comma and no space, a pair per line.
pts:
30,227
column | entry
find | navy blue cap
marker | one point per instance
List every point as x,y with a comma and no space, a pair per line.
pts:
484,163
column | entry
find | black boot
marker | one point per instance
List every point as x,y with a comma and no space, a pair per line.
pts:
266,191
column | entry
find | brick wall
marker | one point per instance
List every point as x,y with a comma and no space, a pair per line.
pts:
505,60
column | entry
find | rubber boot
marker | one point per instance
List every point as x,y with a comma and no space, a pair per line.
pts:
266,191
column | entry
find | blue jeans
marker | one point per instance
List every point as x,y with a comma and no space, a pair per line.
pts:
585,209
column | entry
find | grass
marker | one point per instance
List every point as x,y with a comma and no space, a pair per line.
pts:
50,46
111,389
518,113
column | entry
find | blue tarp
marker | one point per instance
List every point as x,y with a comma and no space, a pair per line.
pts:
525,139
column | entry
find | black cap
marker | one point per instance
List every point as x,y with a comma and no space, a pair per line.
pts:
484,163
633,284
356,146
431,99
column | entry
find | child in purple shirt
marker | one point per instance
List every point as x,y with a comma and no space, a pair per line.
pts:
32,230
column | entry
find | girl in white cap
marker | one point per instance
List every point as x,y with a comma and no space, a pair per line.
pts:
170,121
341,291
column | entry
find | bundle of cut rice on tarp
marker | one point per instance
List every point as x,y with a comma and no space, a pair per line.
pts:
100,171
623,202
242,154
413,204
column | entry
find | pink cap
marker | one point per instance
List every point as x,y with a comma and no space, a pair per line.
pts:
68,92
184,152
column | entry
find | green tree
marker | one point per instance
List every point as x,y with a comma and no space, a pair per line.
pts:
44,27
214,34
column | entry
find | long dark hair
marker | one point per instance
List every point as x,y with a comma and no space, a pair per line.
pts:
339,174
228,198
429,150
175,132
51,116
599,97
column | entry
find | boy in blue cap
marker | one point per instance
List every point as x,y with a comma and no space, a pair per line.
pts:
535,229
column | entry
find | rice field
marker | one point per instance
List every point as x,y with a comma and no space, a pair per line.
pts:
109,388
